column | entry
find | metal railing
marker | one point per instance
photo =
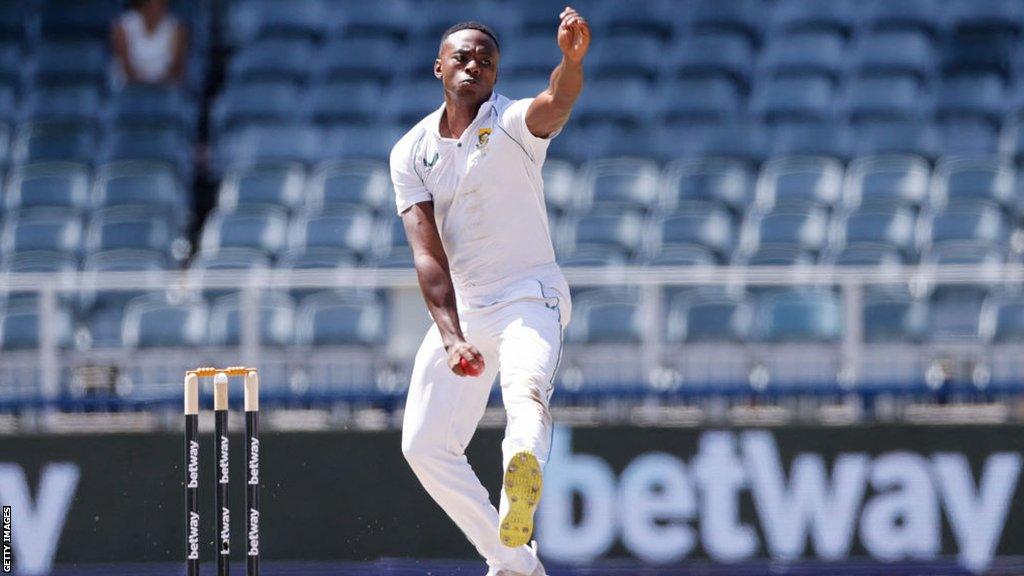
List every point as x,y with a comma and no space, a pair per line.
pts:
407,321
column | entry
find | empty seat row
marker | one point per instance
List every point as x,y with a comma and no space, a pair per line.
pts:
798,316
753,18
73,187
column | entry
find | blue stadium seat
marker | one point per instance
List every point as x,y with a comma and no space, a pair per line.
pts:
990,17
433,17
314,258
559,191
602,102
955,314
621,230
693,224
799,181
905,15
335,319
793,16
344,103
152,321
349,184
681,256
396,257
969,137
794,99
624,184
384,18
139,184
151,106
299,143
894,319
247,104
797,228
823,139
69,63
592,257
816,54
895,53
529,56
104,310
230,259
713,55
235,262
363,142
272,61
47,185
800,316
745,17
264,229
412,101
879,227
888,181
19,328
12,68
155,145
1002,320
276,185
627,57
960,180
973,54
897,137
708,317
699,101
40,261
14,21
357,59
655,19
607,317
979,98
276,320
971,222
53,230
304,19
45,142
727,182
71,19
72,104
352,231
865,255
884,99
740,141
130,229
57,264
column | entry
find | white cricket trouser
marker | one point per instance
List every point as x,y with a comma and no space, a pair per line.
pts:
520,341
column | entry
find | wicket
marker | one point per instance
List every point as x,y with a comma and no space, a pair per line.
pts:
222,458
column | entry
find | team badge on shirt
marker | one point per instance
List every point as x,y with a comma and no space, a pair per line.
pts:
482,137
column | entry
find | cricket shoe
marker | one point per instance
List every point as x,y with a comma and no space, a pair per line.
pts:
523,483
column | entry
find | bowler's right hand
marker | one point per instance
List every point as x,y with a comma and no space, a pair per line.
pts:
463,350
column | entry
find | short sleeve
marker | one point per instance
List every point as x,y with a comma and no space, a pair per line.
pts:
514,120
408,185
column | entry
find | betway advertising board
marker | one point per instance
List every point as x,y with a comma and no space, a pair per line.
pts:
659,496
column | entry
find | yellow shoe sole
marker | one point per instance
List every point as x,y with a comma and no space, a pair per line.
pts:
523,483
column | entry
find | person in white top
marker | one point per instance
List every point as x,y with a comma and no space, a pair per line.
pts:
149,44
468,187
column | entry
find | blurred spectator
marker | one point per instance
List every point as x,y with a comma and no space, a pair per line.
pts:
149,44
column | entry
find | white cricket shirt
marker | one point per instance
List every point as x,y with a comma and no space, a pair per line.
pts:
488,200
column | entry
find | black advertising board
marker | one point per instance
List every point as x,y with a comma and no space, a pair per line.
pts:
661,496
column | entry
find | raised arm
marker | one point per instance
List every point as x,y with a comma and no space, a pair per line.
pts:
436,284
550,109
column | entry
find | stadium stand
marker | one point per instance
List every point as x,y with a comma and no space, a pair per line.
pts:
869,134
